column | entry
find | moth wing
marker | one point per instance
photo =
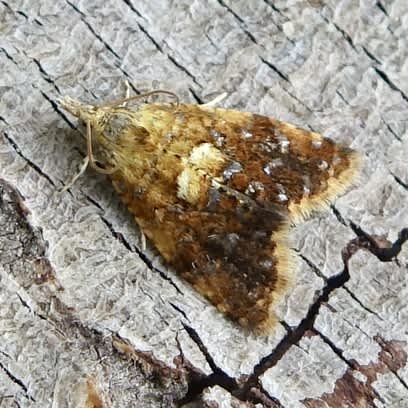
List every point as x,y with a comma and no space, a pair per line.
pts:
217,193
277,162
268,160
234,254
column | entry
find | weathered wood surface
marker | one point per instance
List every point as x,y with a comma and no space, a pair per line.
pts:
86,318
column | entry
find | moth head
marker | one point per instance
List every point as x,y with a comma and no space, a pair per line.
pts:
103,122
81,110
95,118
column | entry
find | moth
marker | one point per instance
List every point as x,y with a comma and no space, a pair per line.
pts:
216,191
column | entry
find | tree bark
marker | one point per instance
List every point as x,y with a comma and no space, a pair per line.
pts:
89,318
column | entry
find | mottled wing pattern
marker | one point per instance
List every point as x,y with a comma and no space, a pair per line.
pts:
275,162
215,190
233,253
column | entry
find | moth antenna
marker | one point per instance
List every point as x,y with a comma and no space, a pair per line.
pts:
144,95
89,152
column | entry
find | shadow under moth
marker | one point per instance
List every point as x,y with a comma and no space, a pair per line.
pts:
216,191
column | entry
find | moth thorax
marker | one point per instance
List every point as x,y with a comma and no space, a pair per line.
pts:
114,124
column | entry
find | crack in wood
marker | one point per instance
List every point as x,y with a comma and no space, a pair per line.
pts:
370,55
360,391
342,32
8,56
154,368
312,266
394,357
17,149
384,254
57,109
400,182
336,350
278,25
133,248
240,20
293,96
23,14
273,7
184,69
337,214
345,35
133,8
219,377
179,310
383,249
45,74
17,381
150,37
4,121
275,69
342,97
118,59
321,275
382,8
391,130
195,96
390,83
360,303
91,29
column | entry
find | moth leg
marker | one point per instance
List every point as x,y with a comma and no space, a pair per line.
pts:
75,177
127,92
218,99
89,153
142,241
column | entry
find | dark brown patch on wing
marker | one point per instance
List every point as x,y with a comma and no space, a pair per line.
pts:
229,256
227,253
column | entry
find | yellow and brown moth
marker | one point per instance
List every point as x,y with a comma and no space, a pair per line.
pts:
216,190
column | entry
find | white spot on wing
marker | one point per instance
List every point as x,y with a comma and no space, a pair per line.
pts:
206,156
284,146
281,193
268,146
218,137
268,168
233,167
266,263
204,159
188,183
323,165
254,186
283,143
246,134
307,185
316,143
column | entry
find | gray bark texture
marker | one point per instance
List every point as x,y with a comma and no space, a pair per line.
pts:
88,318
